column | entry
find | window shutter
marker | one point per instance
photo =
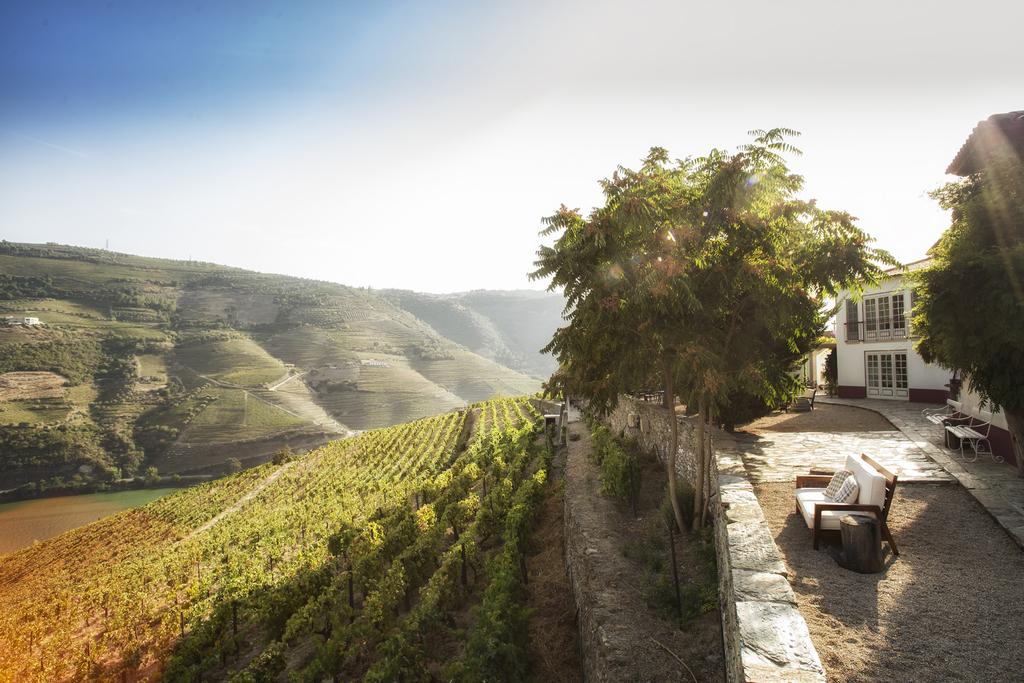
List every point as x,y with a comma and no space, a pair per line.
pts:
852,321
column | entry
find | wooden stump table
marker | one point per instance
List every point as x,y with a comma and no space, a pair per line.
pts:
862,543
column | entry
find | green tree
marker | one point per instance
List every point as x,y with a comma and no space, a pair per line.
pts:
283,455
832,372
969,303
706,276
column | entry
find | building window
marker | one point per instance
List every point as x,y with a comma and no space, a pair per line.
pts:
885,317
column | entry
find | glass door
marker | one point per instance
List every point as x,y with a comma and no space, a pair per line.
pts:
886,374
874,380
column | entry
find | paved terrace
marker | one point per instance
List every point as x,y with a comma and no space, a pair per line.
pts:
795,442
909,444
995,485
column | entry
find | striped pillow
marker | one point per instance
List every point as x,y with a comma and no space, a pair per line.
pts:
848,491
837,480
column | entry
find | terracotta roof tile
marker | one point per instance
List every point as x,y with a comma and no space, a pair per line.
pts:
999,133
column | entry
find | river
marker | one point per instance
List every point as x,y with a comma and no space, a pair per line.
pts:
26,521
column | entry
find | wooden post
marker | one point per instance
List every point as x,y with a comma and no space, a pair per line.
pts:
862,543
675,570
462,549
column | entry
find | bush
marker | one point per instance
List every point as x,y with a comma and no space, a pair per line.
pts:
832,373
742,407
619,466
283,456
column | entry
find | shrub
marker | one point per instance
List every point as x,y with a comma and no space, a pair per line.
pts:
832,373
619,465
283,455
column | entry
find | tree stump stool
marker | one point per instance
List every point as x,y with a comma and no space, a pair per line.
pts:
862,543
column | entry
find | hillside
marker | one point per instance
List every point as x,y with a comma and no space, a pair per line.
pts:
508,327
142,362
379,557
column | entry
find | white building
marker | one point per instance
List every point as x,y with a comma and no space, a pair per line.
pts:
875,345
31,321
812,371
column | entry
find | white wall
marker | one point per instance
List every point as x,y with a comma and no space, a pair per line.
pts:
920,375
970,403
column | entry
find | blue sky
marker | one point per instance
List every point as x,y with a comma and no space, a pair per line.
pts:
418,144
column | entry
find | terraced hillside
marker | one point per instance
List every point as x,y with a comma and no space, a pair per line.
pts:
507,327
183,365
386,556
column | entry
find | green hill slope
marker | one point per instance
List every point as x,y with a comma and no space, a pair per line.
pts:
166,363
361,560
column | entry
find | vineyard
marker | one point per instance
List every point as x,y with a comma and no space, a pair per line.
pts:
394,554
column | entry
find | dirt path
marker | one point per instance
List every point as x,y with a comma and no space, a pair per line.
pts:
625,639
243,500
287,378
553,628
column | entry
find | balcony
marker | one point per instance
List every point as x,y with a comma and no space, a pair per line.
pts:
877,331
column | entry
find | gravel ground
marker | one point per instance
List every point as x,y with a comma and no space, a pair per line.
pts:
824,418
949,608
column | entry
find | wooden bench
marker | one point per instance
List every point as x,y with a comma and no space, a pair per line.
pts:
805,403
878,486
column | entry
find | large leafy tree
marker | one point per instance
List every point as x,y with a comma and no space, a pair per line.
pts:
706,276
969,304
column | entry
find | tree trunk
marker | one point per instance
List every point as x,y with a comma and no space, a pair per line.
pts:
1015,425
670,457
706,455
698,484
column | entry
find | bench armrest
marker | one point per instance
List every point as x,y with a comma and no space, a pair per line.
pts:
845,507
812,480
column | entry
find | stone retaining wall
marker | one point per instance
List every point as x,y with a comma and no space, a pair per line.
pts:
765,636
648,424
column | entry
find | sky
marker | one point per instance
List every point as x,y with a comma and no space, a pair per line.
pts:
418,145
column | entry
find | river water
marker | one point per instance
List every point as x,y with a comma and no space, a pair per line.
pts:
26,521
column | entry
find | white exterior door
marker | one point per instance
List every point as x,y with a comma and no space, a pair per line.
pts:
886,374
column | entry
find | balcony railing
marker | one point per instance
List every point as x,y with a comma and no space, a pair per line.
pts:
864,331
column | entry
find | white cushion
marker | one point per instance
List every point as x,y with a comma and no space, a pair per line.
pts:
807,497
871,482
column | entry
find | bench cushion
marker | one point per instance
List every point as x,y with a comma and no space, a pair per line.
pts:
806,498
870,480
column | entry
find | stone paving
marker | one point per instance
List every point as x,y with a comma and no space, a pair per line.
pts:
996,486
774,456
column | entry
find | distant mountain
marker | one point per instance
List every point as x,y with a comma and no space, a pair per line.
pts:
509,327
142,362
